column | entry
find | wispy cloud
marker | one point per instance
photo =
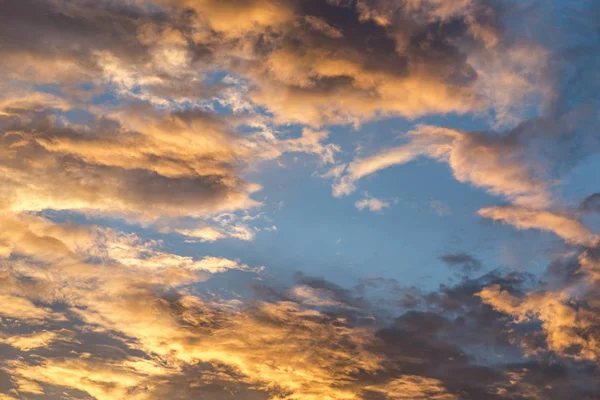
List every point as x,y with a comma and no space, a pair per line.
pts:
372,204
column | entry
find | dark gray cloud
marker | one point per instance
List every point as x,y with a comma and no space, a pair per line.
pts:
452,344
591,203
466,263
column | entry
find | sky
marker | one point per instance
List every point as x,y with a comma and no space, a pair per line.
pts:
299,199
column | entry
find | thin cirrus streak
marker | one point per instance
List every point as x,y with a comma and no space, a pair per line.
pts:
166,230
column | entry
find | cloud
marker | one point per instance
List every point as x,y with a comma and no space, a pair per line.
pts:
463,261
346,175
525,162
318,58
135,292
307,63
567,311
495,163
204,233
155,112
255,14
591,203
372,204
221,226
430,62
569,331
566,227
34,340
139,297
132,324
18,307
102,380
314,297
414,387
157,133
52,164
311,143
128,250
440,208
138,164
83,43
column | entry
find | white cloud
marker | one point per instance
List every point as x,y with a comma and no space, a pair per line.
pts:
372,204
440,208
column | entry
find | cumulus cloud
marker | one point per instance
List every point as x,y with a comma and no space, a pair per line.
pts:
570,330
372,204
309,63
428,61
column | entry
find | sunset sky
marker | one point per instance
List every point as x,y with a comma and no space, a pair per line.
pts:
299,199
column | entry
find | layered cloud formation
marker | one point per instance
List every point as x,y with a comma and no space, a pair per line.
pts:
124,122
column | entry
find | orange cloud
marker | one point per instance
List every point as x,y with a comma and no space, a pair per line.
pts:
493,163
568,228
569,331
